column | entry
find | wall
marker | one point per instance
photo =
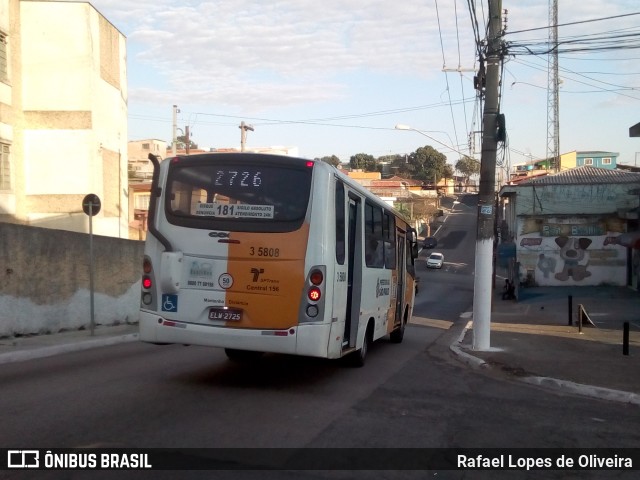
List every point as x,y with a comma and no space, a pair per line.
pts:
44,280
579,250
74,129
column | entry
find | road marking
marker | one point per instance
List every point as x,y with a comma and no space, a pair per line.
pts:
431,322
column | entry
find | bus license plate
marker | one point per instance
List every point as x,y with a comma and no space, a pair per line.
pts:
225,314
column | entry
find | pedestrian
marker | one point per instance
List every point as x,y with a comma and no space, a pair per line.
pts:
505,289
509,290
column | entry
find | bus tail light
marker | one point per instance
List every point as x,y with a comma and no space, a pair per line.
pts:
147,298
316,277
314,294
146,266
312,306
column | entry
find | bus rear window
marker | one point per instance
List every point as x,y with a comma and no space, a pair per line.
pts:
238,197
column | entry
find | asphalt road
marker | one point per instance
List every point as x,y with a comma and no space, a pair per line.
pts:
414,394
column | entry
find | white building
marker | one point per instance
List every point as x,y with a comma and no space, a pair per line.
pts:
63,129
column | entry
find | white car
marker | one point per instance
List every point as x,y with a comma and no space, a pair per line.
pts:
435,260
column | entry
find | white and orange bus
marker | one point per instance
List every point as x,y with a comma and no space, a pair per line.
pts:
263,253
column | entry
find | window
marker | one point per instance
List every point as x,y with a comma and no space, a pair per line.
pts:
145,146
389,234
142,201
5,167
374,240
243,197
340,223
588,161
4,60
606,161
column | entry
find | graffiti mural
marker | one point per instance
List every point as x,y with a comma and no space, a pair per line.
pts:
574,257
571,251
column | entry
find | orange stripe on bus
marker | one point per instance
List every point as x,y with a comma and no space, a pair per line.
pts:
268,278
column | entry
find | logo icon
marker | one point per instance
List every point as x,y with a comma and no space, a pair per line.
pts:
219,234
23,459
169,303
256,273
202,270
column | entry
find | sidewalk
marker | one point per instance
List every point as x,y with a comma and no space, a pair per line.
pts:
531,340
17,349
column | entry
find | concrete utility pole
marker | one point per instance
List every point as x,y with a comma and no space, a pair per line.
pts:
186,140
483,283
175,130
243,134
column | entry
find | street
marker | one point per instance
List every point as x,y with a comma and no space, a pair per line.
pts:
413,394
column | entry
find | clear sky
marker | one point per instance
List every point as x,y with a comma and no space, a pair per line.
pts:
334,77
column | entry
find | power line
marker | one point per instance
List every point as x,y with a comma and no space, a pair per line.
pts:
574,23
453,120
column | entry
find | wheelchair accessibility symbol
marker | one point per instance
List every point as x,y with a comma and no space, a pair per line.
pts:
169,303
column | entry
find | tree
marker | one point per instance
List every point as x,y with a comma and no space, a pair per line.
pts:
332,160
400,166
468,166
428,164
181,142
363,161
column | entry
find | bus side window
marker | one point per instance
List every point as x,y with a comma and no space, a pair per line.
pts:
389,230
374,245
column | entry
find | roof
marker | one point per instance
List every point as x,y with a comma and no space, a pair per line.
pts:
584,175
396,181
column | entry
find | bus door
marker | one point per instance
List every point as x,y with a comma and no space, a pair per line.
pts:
354,275
402,272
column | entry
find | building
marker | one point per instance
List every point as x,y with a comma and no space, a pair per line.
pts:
63,124
140,167
577,227
568,160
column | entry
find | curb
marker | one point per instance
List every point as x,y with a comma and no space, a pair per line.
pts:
31,354
463,356
585,390
565,386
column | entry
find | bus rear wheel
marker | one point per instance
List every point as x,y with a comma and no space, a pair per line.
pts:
242,355
398,334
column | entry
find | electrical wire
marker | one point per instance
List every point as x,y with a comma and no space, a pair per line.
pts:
453,120
575,23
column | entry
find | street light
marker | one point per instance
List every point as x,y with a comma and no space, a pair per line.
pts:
401,126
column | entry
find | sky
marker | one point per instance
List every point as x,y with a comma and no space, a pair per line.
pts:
335,77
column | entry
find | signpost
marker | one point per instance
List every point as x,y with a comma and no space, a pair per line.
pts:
91,206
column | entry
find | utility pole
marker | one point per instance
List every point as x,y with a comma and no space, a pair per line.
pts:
483,283
243,134
175,130
186,140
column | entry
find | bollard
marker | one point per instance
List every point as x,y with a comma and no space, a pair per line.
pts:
625,339
580,318
570,310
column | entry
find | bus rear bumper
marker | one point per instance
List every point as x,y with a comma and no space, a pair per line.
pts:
307,340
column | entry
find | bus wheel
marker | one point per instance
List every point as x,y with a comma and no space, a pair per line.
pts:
358,357
398,334
242,355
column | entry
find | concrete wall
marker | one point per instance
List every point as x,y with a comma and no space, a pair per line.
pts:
44,280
